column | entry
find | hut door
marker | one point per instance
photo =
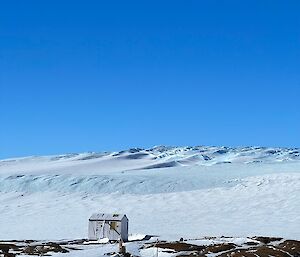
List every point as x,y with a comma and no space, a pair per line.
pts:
106,229
99,229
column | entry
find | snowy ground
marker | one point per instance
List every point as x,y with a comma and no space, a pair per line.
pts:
153,247
236,192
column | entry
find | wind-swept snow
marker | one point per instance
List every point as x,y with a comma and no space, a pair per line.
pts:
257,193
157,157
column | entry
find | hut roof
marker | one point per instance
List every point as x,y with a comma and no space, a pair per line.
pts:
105,216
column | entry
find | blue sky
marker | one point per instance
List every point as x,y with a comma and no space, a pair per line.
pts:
107,75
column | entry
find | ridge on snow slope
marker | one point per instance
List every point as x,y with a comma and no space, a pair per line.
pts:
152,181
153,158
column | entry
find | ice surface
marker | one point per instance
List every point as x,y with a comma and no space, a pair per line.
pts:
52,197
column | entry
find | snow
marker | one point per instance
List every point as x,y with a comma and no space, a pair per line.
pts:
52,197
132,159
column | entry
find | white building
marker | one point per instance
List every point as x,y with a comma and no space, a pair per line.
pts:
111,226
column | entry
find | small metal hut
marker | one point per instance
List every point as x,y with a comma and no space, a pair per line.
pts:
111,226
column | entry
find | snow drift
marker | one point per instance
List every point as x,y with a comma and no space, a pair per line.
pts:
167,191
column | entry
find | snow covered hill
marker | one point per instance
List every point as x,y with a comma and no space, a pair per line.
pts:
166,191
153,158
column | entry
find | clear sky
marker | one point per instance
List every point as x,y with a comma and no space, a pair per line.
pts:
107,75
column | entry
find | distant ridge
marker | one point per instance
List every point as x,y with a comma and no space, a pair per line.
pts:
151,158
207,153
